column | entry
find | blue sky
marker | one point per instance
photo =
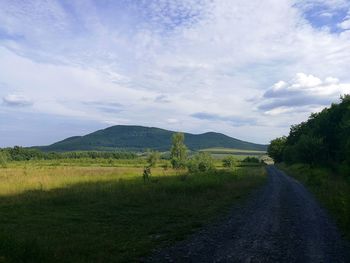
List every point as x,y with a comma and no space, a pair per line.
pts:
248,69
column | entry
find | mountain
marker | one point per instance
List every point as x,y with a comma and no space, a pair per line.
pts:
138,138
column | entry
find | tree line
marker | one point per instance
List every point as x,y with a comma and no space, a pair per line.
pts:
324,139
18,153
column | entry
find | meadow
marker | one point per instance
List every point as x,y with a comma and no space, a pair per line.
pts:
219,153
98,210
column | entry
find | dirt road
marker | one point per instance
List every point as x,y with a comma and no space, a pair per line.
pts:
281,222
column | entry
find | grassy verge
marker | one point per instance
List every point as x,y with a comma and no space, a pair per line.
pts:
333,191
108,214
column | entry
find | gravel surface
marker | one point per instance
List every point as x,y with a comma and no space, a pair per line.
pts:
281,222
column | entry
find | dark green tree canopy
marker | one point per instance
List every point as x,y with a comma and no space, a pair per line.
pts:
323,139
276,148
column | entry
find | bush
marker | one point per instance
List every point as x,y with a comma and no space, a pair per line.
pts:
200,163
229,161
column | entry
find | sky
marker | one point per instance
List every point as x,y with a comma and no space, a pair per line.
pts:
248,69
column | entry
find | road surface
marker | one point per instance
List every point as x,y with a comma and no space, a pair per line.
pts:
281,222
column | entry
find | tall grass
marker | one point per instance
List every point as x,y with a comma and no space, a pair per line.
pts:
108,214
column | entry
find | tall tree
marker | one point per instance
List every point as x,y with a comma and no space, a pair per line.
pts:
178,151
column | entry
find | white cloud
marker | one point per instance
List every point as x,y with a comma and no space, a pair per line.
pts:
345,24
303,93
16,100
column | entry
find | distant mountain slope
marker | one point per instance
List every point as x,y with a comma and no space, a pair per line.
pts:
140,138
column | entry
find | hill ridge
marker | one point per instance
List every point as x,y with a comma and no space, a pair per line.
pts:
139,138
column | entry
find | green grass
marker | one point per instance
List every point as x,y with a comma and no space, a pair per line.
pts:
233,151
333,191
220,153
108,214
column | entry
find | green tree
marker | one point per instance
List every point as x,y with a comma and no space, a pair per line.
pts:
200,163
178,151
229,161
324,139
3,159
309,149
276,149
153,158
290,154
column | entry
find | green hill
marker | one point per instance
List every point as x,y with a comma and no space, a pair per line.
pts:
139,138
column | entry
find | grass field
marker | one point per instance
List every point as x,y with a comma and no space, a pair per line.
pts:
333,191
239,154
220,153
232,150
70,212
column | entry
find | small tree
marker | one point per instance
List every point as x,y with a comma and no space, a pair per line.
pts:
178,151
200,163
3,159
153,158
229,161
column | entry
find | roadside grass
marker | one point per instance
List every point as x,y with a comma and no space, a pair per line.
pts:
333,191
108,214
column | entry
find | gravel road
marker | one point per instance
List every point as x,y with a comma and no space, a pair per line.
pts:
281,222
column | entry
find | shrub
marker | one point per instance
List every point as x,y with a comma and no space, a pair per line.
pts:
200,163
229,161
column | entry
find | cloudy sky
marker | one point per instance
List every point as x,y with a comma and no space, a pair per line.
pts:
248,69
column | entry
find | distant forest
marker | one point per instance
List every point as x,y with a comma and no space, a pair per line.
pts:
324,139
18,153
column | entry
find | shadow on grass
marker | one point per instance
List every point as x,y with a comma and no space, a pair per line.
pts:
117,220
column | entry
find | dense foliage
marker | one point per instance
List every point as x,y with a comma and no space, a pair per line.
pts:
18,153
276,149
229,161
200,163
324,139
152,158
178,151
138,138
